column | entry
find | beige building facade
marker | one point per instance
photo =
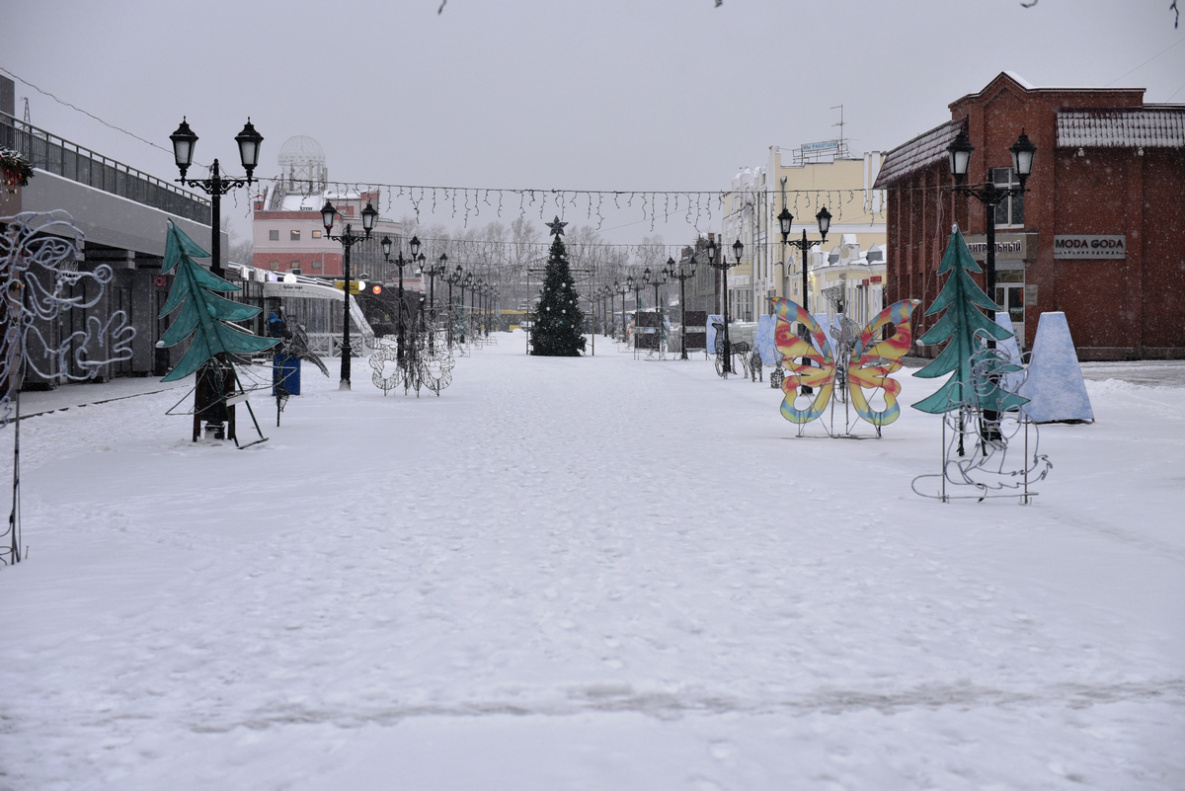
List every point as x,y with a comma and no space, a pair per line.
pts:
804,180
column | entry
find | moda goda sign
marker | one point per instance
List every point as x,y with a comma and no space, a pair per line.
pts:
1089,246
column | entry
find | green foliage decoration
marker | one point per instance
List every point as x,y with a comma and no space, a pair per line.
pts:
204,316
963,327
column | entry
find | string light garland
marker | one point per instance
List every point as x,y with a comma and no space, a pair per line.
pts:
698,208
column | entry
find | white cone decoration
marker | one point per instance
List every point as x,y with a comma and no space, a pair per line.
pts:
1055,387
1009,348
764,340
824,322
713,320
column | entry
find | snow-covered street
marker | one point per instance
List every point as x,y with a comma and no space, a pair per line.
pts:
589,573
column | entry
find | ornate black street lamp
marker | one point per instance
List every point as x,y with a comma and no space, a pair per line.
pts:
466,283
606,300
216,185
414,246
682,275
722,265
436,270
657,281
636,285
487,300
210,406
453,278
348,240
622,290
785,220
991,195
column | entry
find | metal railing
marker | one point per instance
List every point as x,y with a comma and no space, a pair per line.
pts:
77,163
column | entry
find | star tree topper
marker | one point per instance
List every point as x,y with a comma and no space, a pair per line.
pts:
557,227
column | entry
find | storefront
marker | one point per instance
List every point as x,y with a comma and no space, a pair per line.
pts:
1096,234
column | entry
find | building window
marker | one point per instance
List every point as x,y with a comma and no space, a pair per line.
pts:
316,234
294,236
1010,210
316,264
273,265
294,267
273,236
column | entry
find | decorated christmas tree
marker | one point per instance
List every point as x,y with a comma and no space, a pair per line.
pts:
966,329
559,322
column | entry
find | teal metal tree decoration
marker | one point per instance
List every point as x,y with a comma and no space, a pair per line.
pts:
965,328
204,316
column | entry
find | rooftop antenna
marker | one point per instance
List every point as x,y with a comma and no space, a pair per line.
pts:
843,144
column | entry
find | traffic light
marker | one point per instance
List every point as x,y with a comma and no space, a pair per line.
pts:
377,290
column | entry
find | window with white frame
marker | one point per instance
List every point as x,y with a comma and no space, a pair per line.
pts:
1010,211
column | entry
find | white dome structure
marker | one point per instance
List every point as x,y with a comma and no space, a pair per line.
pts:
302,165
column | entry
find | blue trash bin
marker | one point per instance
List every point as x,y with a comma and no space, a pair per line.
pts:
287,370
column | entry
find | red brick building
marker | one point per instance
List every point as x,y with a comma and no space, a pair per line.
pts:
1100,233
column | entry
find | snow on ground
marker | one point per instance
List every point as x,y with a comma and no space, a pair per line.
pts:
595,573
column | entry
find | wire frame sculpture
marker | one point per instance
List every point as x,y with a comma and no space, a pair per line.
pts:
384,361
859,364
987,453
39,281
422,360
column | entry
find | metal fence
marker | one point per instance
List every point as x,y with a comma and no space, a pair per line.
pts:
77,163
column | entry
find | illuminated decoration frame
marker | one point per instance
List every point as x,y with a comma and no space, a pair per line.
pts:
986,467
39,280
426,361
858,362
982,416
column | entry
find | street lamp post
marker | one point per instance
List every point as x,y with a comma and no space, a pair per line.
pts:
414,246
636,285
472,283
785,220
606,309
658,280
990,195
466,283
723,266
348,240
622,290
209,405
436,270
478,295
682,276
453,278
217,185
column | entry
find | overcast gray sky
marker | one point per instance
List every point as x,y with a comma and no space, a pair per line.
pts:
629,95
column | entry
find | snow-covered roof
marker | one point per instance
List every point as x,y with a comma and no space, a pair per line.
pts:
296,202
1021,81
921,152
1122,127
305,201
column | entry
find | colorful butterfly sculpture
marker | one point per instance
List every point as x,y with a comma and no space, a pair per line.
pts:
868,366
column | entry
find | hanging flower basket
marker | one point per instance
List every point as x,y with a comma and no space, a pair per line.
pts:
15,170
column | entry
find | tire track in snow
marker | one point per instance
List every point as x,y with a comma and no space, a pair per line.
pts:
614,698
